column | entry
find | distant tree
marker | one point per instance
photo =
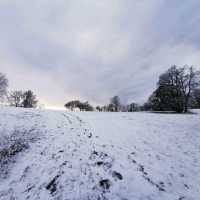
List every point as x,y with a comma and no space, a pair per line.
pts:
29,100
124,108
89,107
174,90
16,98
3,86
132,107
195,99
189,83
72,104
111,108
85,106
115,101
151,104
105,108
98,108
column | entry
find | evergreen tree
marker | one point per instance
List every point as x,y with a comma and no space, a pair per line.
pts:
30,100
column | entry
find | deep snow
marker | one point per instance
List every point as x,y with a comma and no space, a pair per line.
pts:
81,156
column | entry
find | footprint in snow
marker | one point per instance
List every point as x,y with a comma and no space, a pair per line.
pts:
117,175
105,184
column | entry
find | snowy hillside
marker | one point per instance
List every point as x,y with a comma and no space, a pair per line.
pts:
62,155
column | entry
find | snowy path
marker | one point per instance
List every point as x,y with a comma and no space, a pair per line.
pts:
63,164
80,156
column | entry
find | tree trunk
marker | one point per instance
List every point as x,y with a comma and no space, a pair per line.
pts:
186,105
186,108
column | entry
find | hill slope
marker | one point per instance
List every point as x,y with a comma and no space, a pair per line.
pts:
82,156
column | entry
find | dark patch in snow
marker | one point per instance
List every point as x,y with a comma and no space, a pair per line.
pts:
99,163
52,185
103,159
186,186
89,135
117,175
181,198
141,168
7,155
105,184
68,119
25,172
13,150
160,187
29,189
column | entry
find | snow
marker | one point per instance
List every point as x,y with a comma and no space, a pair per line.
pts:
91,155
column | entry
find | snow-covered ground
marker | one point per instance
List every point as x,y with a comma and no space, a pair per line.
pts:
98,156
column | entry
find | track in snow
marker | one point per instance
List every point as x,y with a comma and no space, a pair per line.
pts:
78,156
63,164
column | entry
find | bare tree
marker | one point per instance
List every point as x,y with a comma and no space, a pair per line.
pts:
175,88
16,98
3,85
189,80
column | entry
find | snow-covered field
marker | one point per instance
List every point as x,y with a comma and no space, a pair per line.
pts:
98,156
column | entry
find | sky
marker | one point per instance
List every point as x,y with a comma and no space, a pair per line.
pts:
93,50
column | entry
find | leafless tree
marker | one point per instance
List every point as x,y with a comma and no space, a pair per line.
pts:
189,81
3,85
175,88
15,98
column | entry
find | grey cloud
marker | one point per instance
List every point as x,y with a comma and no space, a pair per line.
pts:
95,49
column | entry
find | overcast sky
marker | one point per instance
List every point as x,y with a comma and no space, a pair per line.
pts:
94,49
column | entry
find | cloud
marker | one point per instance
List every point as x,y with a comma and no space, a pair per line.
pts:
93,50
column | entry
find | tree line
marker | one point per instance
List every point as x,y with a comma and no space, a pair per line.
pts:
18,98
177,90
115,105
